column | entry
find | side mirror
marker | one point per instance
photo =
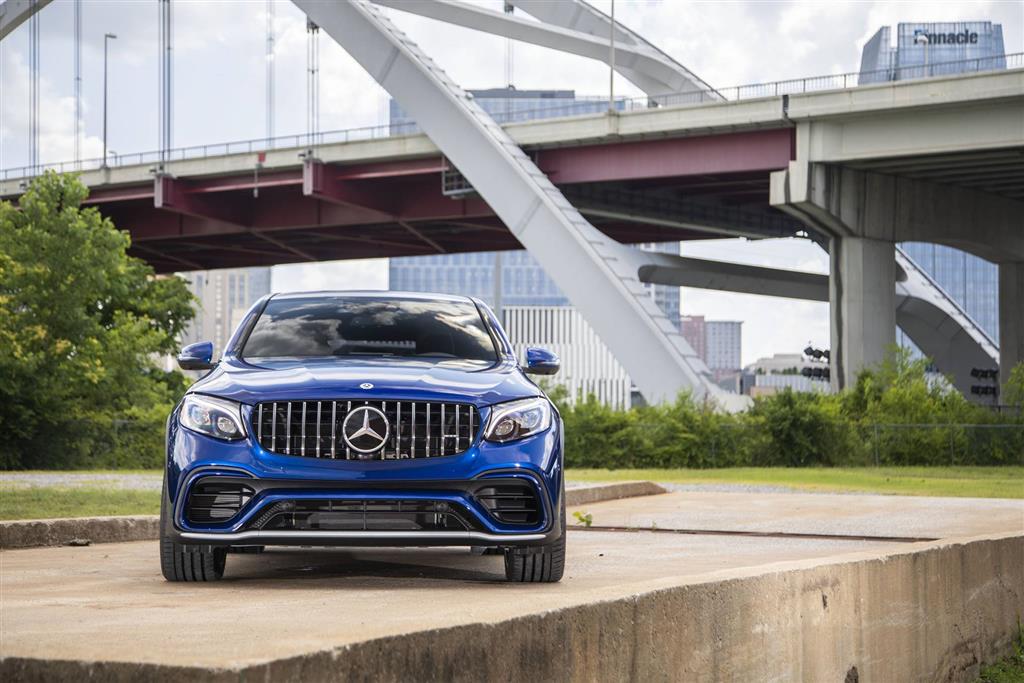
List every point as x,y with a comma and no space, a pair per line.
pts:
197,356
541,361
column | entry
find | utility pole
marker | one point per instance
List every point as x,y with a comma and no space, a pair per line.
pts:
107,37
33,93
78,83
270,69
611,62
166,81
312,84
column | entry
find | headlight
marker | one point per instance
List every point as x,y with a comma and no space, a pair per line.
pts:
518,419
214,417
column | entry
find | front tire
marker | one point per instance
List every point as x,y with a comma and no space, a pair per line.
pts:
180,562
545,565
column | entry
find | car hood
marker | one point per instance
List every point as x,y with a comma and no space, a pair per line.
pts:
392,378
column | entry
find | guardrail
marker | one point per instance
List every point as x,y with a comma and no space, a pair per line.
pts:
578,106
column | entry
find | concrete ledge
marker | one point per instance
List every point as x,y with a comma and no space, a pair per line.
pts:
933,611
46,532
598,493
43,532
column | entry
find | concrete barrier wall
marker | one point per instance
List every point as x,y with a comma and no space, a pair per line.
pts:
927,612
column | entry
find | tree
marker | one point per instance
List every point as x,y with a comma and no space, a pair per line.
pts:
81,322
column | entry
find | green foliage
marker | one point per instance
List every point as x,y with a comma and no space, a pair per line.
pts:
1010,669
80,324
584,518
896,414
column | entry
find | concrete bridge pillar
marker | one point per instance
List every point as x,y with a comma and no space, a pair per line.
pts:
1011,317
862,303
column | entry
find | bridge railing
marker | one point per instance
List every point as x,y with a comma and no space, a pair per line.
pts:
578,106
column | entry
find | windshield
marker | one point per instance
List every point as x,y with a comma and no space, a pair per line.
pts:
371,326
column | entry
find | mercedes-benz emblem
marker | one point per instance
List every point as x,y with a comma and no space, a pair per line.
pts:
366,385
365,429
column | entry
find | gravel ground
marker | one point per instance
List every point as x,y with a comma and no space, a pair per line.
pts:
138,482
737,488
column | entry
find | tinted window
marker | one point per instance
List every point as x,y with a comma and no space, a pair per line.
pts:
369,326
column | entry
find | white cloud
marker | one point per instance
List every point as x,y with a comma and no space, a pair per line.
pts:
56,122
303,277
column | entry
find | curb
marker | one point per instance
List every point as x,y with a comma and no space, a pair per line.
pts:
599,493
87,530
78,531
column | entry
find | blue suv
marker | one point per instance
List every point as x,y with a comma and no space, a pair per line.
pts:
360,419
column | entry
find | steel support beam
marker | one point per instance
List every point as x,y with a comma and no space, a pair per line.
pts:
582,261
320,181
13,13
172,194
653,71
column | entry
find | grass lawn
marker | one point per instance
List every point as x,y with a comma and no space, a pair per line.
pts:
973,482
41,502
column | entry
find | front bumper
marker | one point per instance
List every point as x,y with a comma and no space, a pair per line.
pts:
457,484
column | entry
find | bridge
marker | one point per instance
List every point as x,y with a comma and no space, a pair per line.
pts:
857,169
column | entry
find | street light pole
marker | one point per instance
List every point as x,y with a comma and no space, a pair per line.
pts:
611,62
106,41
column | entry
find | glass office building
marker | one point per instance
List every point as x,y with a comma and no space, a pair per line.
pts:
507,278
923,50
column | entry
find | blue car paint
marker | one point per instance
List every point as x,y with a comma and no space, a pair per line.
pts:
191,456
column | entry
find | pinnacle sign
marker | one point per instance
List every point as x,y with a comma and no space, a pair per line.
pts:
964,37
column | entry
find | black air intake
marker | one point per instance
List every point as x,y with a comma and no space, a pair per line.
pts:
216,502
511,503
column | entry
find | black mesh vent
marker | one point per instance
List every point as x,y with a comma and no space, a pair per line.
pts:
511,503
215,502
418,429
363,515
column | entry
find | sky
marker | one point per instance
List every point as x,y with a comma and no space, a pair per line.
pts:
219,95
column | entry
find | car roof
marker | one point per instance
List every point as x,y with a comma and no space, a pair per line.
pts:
371,294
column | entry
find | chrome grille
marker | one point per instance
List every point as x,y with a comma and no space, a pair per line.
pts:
419,429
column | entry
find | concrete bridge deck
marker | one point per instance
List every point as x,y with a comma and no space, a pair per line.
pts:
733,605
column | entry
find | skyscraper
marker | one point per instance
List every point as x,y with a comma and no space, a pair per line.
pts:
224,297
932,49
938,49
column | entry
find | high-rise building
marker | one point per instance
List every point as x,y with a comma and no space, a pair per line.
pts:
719,343
588,366
224,297
724,346
923,50
694,331
510,278
938,49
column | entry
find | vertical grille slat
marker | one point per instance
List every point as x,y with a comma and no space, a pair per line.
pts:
419,429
